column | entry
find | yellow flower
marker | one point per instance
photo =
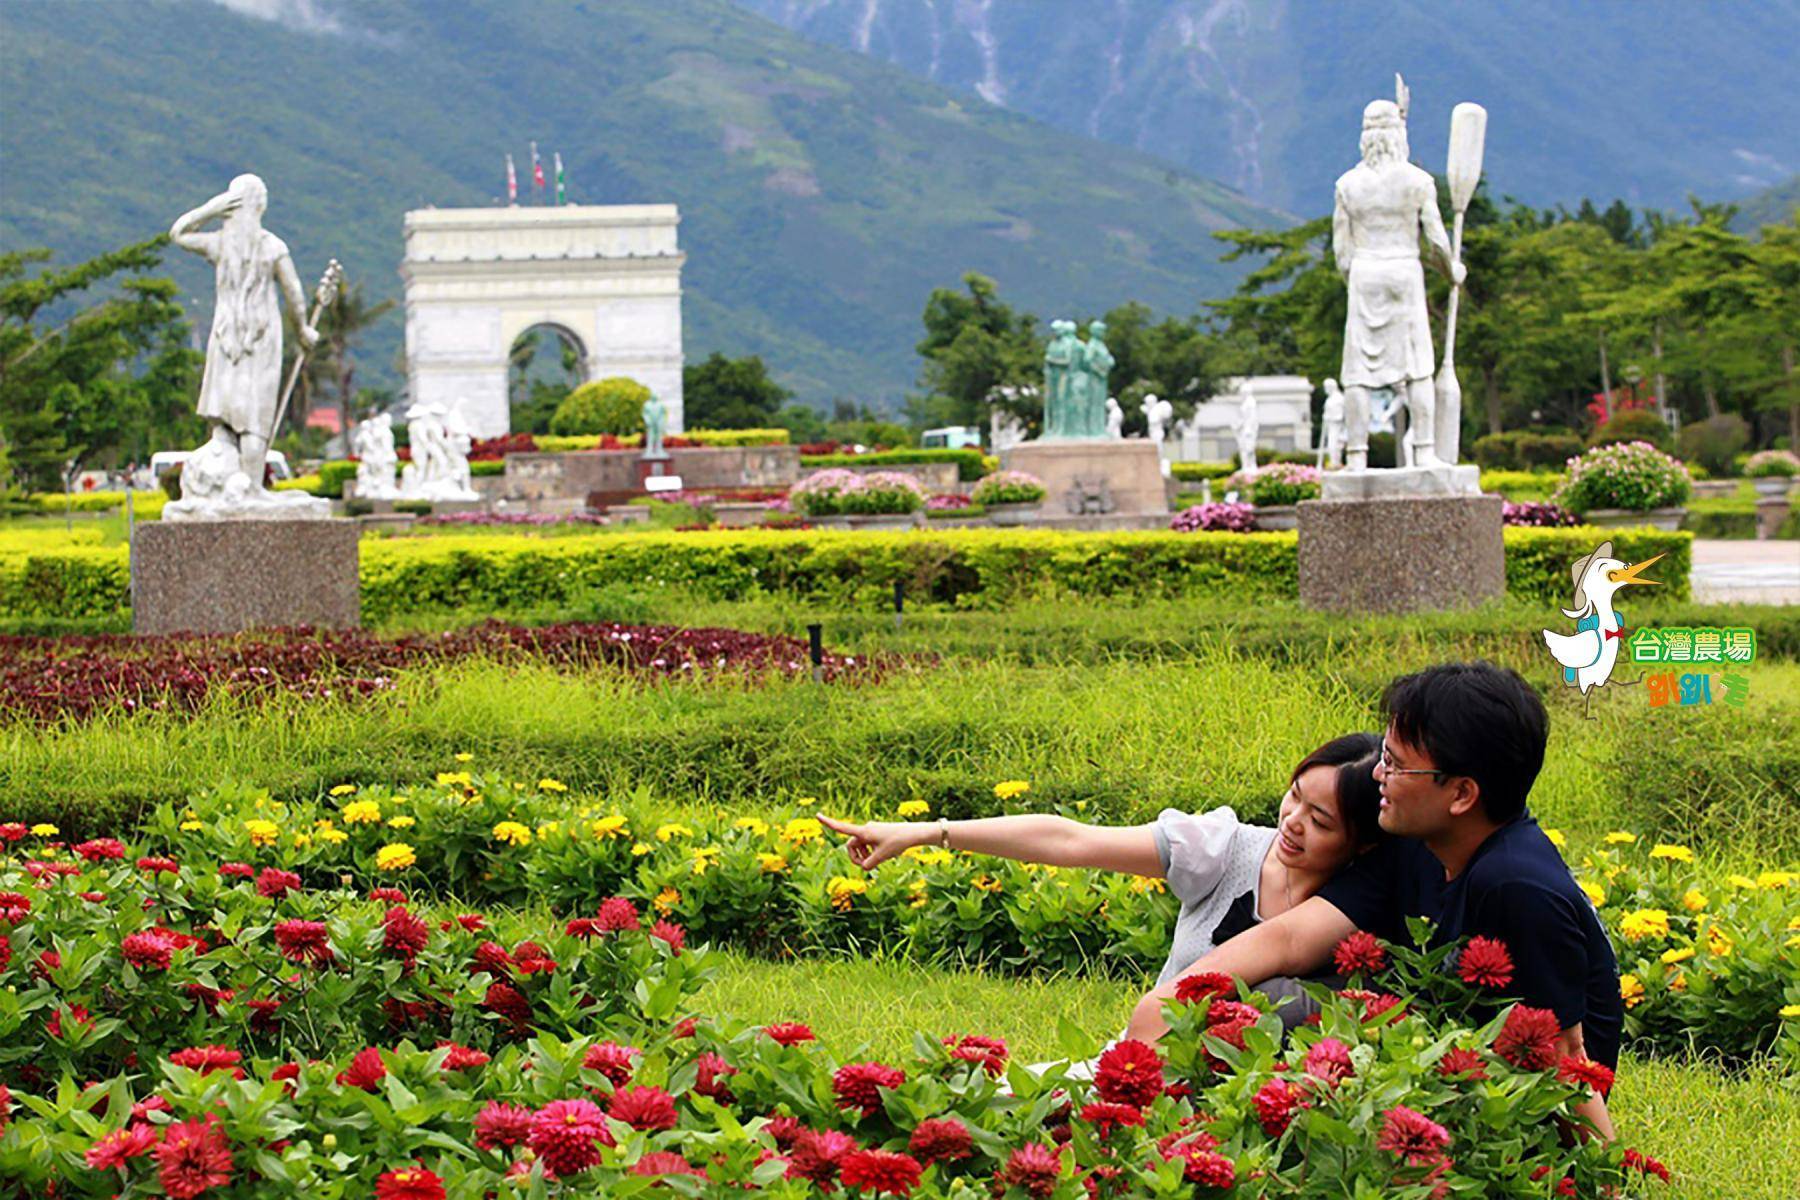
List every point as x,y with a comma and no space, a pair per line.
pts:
755,825
1794,924
401,822
915,808
395,856
843,890
1645,922
333,837
455,779
1693,900
666,900
771,864
1677,982
548,827
1556,838
362,812
928,856
802,830
1676,853
639,849
463,756
191,826
1594,891
704,857
1671,957
552,785
302,840
1147,883
987,883
919,898
1775,879
513,833
1631,991
611,825
262,833
343,789
1718,941
1740,881
1790,1010
673,829
45,829
1620,838
1008,789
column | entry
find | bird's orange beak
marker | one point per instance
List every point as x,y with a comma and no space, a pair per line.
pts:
1630,574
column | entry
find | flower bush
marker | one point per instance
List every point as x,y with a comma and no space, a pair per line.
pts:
1008,487
1629,475
1278,483
1230,518
883,493
1772,464
1532,513
821,493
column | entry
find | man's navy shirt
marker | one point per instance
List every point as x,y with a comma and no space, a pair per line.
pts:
1516,888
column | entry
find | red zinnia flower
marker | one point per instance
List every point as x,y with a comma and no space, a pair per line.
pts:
1359,952
1232,1012
502,1125
1528,1039
1412,1137
612,1060
303,941
461,1058
387,895
492,958
120,1145
193,1157
858,1085
1129,1072
149,1104
784,1130
473,922
207,1059
941,1140
582,927
972,1047
1192,989
148,949
508,1002
1644,1163
567,1136
684,1028
1328,1060
1204,1166
790,1033
236,870
617,913
665,1162
881,1172
5,1106
409,1183
100,849
366,1070
276,883
646,1108
671,933
1106,1116
12,831
1465,1063
1276,1102
14,906
710,1079
1585,1071
5,950
405,934
1484,962
154,864
1034,1168
816,1154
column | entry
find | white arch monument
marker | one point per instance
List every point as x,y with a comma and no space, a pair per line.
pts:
477,278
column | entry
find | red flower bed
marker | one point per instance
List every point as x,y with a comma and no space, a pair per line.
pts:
72,677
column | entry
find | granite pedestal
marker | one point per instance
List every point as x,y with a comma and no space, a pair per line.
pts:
1093,477
228,576
1403,554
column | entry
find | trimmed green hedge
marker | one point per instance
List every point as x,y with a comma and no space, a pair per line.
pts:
1538,560
1194,472
971,464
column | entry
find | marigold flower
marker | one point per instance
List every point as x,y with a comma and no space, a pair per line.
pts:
1129,1072
1680,854
1411,1136
610,826
1143,885
1594,892
262,833
1556,837
401,822
45,829
513,833
1740,881
1718,942
567,1136
1009,789
1484,962
672,829
395,856
879,1172
1693,900
344,789
771,864
118,1147
639,849
1644,923
193,1157
858,1085
1631,990
1680,954
666,900
460,779
1033,1168
914,808
790,1033
802,830
1620,838
192,826
409,1183
1771,880
987,883
1360,952
552,785
1528,1038
944,1139
842,891
463,756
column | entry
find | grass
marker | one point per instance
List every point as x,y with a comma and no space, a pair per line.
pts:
1724,1137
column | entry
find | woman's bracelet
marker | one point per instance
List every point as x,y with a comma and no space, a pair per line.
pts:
943,833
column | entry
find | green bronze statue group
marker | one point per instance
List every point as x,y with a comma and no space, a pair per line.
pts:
1075,374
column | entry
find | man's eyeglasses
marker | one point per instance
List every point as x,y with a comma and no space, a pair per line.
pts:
1388,768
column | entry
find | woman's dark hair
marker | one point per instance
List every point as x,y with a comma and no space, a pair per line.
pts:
1358,795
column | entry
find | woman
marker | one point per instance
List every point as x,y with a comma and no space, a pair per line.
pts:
1228,875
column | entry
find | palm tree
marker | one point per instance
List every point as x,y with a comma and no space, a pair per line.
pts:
330,369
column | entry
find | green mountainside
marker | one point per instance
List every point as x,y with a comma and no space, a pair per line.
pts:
1771,207
822,194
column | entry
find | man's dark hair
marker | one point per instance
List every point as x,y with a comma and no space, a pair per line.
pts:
1478,720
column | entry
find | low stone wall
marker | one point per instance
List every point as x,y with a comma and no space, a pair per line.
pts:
577,473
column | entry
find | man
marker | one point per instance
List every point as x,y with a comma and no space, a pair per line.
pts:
1464,743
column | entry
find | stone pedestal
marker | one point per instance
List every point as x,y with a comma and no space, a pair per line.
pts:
1405,554
1093,477
228,576
1395,483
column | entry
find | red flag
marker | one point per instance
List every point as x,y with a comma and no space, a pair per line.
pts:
512,182
537,168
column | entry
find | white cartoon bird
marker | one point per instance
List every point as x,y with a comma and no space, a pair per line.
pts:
1587,655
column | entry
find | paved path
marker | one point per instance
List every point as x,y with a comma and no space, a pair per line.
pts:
1746,572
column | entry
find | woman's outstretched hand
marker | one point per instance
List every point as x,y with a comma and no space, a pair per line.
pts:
872,844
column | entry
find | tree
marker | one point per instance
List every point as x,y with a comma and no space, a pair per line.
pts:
330,369
1288,314
730,393
1777,257
115,377
974,345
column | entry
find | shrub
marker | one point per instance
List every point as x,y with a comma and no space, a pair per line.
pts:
1524,450
496,448
820,494
971,464
613,405
1538,560
1194,472
1521,485
1536,515
1008,487
884,492
1629,475
1284,483
1715,442
1223,518
1772,464
334,475
1633,425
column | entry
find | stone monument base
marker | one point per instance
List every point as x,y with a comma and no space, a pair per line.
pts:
228,576
1093,476
1394,483
1407,554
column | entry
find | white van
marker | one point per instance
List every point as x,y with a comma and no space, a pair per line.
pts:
951,437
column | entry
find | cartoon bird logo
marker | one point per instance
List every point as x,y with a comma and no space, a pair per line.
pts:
1588,655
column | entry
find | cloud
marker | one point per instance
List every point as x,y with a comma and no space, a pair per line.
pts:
307,16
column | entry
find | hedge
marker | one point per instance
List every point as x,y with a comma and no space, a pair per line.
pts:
145,502
1194,472
971,464
552,444
965,568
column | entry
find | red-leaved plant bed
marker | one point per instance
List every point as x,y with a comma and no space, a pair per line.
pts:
205,1029
49,678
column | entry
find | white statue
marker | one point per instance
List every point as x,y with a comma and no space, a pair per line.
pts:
1382,206
439,469
1115,419
1246,428
373,443
241,386
1387,414
1157,415
1331,431
1005,430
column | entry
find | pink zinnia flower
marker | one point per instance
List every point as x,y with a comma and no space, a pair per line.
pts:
1411,1136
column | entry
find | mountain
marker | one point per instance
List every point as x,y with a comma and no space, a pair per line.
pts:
822,194
1771,207
1601,99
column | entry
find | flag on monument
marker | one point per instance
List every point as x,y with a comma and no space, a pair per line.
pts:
512,182
537,169
559,176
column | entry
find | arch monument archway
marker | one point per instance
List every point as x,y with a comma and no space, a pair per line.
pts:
478,278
